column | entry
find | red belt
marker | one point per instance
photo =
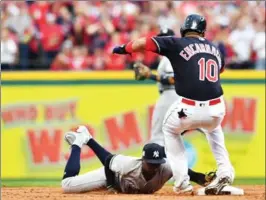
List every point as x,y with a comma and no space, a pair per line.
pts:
193,103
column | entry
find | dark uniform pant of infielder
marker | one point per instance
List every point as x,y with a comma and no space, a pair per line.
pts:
204,115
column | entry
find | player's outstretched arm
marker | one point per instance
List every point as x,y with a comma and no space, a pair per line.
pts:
139,45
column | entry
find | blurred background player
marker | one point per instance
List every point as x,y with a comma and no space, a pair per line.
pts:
165,81
124,174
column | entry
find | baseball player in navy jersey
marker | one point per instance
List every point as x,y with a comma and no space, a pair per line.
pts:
165,81
166,86
123,174
197,64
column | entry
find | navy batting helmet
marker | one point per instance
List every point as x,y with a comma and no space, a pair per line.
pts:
166,32
194,23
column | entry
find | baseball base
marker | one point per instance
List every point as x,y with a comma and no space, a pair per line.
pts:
227,190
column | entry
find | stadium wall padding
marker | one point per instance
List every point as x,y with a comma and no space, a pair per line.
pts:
38,107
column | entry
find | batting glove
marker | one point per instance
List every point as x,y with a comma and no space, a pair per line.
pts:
120,49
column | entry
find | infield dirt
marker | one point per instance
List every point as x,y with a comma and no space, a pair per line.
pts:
255,192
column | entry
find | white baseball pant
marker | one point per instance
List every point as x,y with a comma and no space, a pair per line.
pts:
92,180
200,115
96,179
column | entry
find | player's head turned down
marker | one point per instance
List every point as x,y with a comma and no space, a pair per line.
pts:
193,25
152,158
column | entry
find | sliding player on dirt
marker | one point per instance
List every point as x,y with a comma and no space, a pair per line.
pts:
123,174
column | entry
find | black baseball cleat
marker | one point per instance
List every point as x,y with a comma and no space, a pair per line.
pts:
216,187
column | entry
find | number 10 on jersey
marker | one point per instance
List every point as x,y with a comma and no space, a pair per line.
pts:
208,70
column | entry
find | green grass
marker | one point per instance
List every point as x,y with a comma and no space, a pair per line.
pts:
109,82
56,182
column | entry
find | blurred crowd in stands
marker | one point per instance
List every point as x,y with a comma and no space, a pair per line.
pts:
80,35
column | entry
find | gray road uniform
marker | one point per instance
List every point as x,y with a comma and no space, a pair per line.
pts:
167,98
127,170
131,177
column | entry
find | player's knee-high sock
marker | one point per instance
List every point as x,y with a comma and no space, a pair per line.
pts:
73,164
197,177
100,152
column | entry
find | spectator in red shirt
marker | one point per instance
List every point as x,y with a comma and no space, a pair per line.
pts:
38,11
78,31
126,19
63,59
98,63
79,60
114,62
99,32
52,37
